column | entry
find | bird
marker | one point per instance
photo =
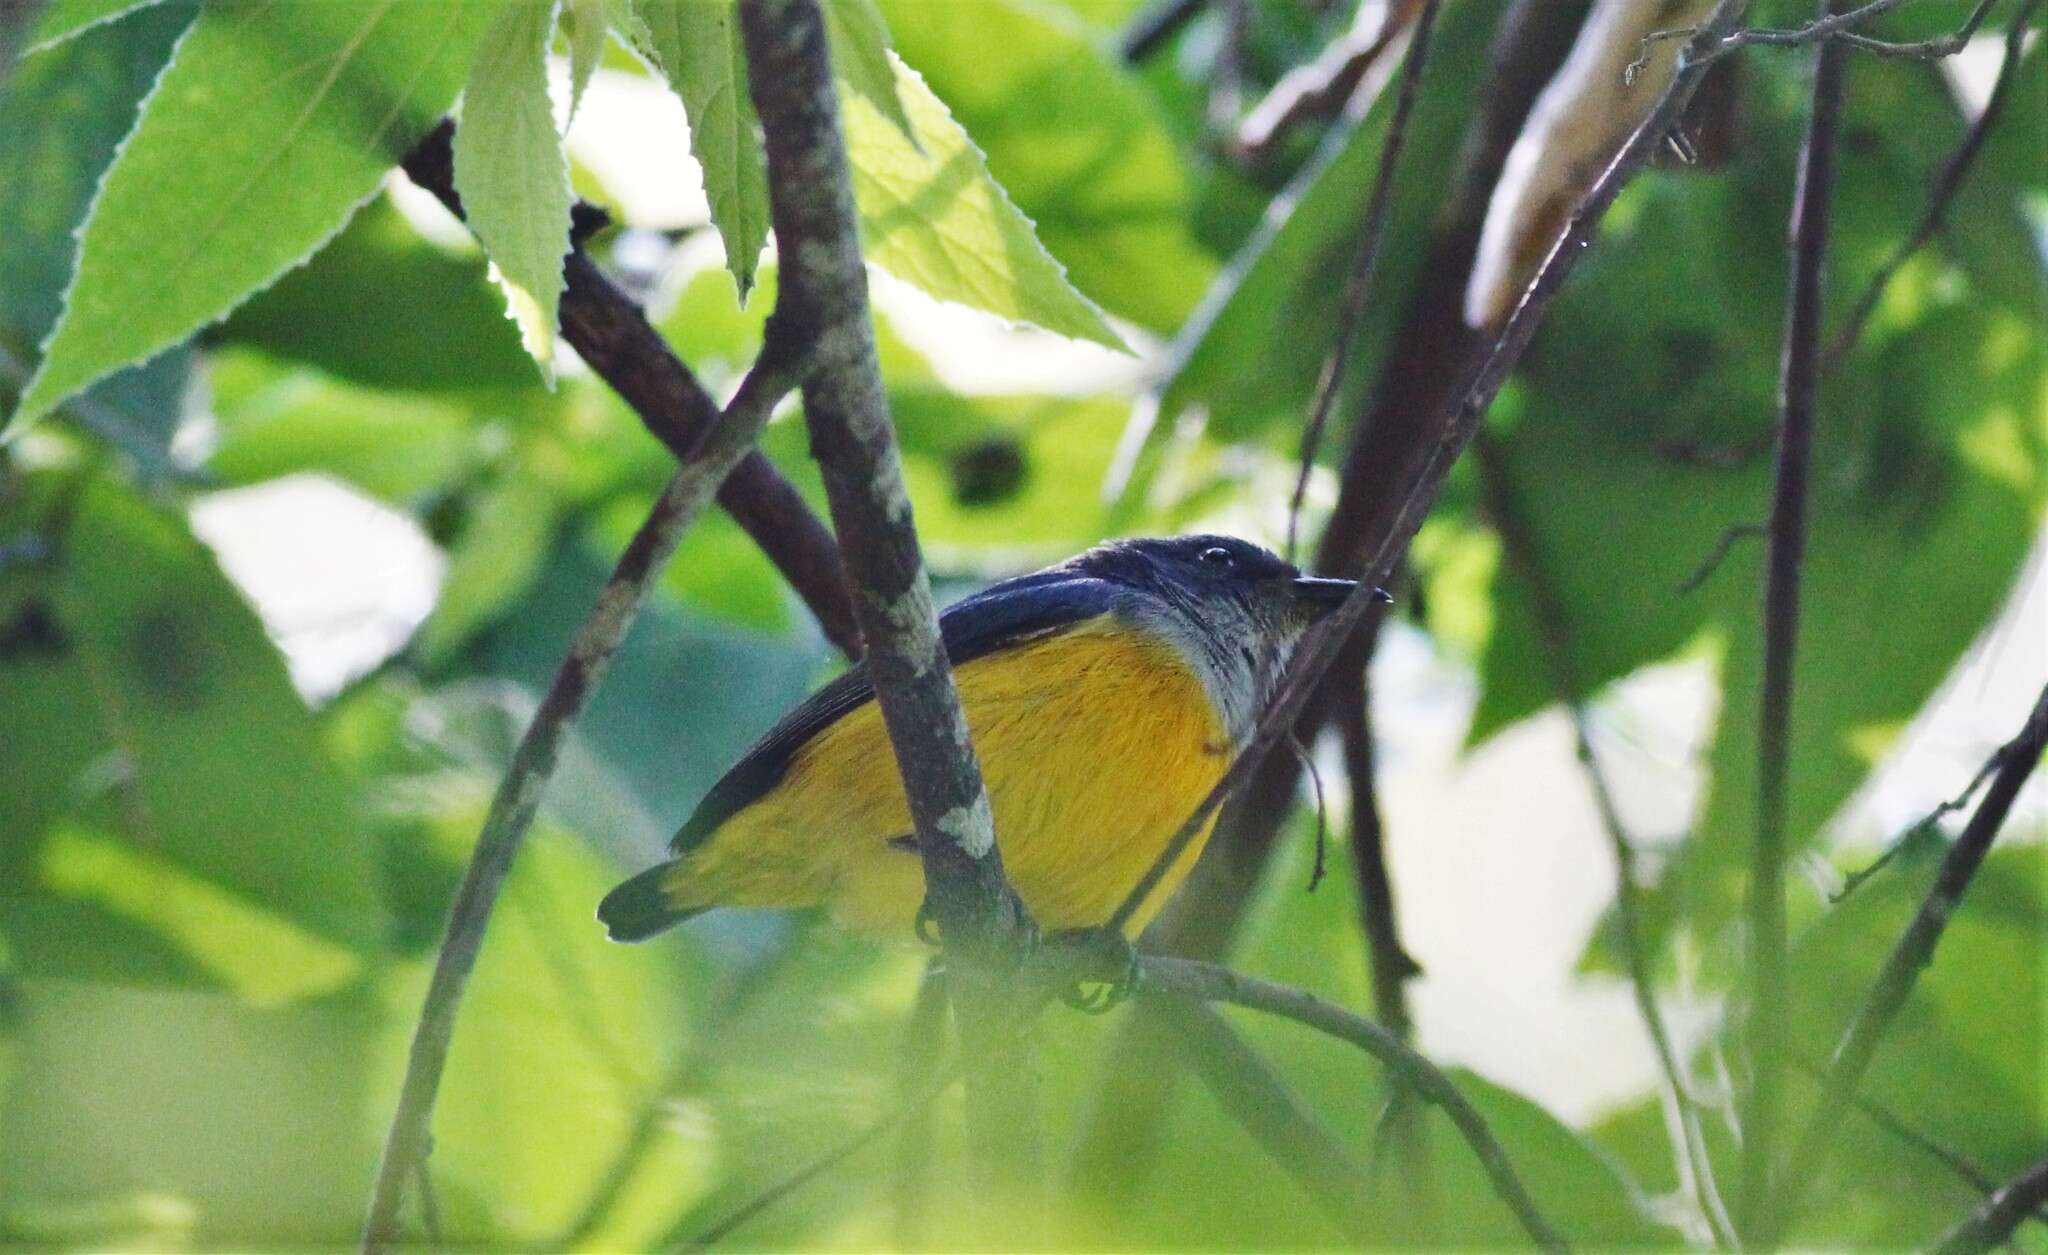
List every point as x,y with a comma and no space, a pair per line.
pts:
1106,696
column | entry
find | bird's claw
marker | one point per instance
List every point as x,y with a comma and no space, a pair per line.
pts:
1098,950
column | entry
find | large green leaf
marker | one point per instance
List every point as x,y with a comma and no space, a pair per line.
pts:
273,123
62,113
1076,141
155,700
696,43
931,214
357,309
511,171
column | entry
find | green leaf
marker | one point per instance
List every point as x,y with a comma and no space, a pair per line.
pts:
1077,142
62,20
496,556
587,27
932,215
859,37
273,123
696,44
155,700
63,112
355,311
512,174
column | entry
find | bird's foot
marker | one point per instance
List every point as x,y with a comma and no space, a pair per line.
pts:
1108,963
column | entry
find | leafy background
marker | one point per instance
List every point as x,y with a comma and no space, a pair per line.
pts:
294,521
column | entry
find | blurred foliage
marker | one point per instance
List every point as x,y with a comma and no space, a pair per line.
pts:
220,897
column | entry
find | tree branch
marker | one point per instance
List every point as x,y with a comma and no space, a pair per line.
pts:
1255,1096
1455,428
980,919
1373,228
1948,180
1994,1221
1320,89
1553,630
1914,950
1155,26
1835,28
609,332
716,450
1784,556
1210,982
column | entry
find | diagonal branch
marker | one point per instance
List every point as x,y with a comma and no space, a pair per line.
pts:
1784,556
609,332
1948,180
1210,982
1553,630
1455,428
1994,1221
1914,950
715,452
980,919
1373,228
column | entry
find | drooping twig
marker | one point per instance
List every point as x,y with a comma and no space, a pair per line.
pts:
979,917
609,332
1724,544
1994,1221
1942,810
1784,558
1255,1096
1455,428
1430,355
1948,180
1154,26
1910,954
717,450
1553,631
1320,89
1358,284
1211,982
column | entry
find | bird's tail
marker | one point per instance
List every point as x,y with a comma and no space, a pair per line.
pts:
640,907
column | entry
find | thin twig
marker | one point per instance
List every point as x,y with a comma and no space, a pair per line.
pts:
1247,1087
1212,982
1835,28
1455,429
1358,284
1942,810
1553,631
788,1185
1784,559
983,924
1724,544
1948,180
1154,27
610,333
718,449
1321,89
1994,1221
1913,952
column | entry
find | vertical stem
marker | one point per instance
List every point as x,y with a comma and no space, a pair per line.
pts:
1785,551
824,280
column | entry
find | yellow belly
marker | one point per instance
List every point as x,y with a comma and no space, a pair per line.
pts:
1095,745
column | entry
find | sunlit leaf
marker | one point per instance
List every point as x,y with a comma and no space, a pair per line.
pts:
273,123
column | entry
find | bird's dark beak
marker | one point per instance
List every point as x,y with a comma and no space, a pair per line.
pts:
1321,594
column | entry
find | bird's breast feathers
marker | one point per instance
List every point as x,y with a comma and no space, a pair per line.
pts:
1096,739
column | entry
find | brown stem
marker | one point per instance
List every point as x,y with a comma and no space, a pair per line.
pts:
1784,557
1994,1221
718,448
611,334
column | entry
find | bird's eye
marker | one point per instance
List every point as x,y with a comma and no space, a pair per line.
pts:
1218,556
